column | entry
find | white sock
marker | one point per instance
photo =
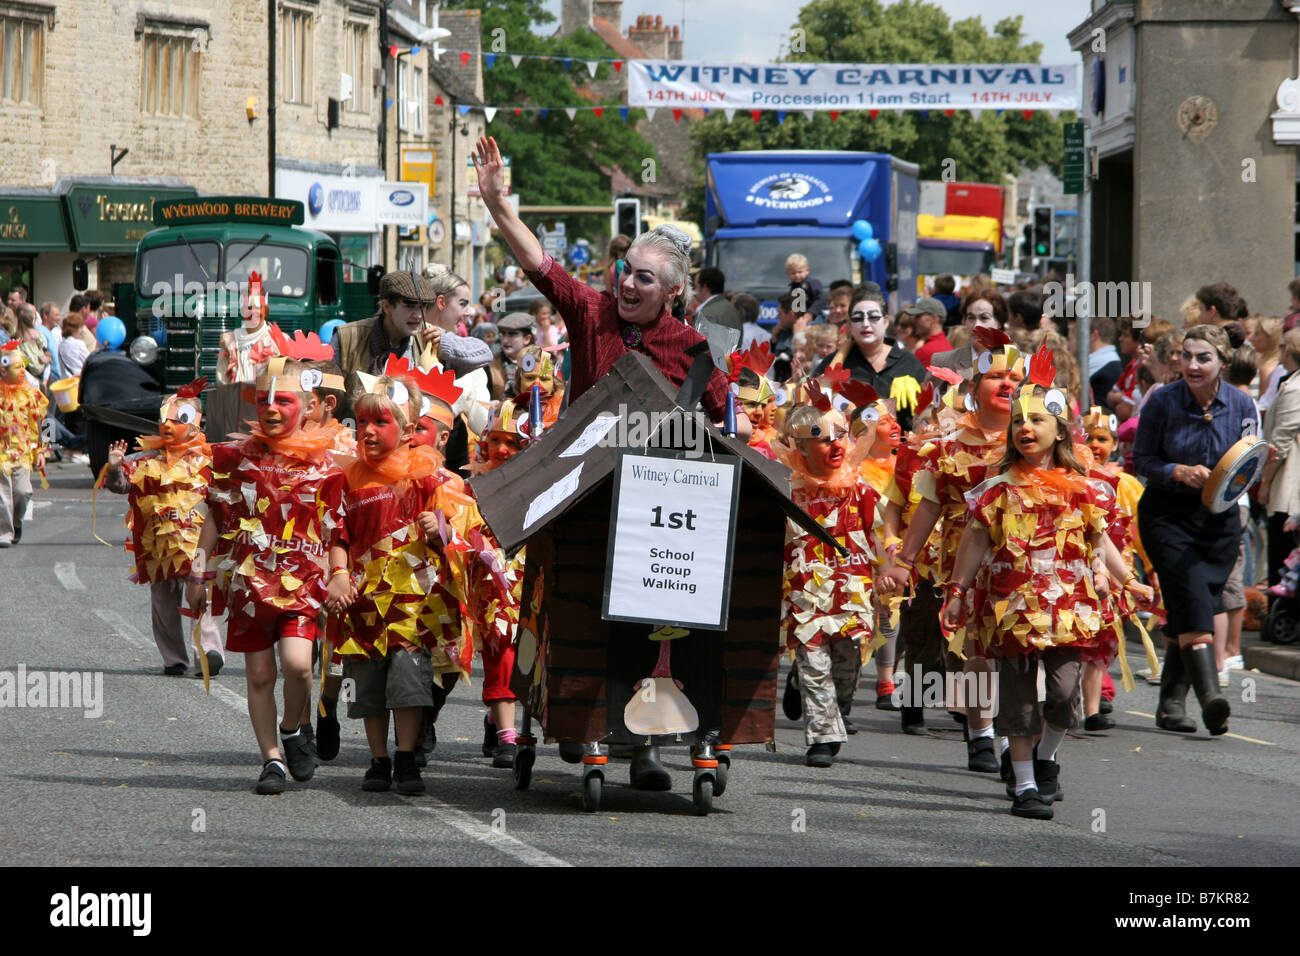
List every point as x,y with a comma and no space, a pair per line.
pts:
1004,744
1024,775
982,732
1052,738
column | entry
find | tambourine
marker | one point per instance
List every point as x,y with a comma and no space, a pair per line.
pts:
1236,471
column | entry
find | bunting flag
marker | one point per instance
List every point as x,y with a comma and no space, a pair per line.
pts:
835,114
755,114
808,115
1028,114
490,112
599,111
975,114
729,114
464,110
567,61
1054,114
515,58
623,111
490,59
388,104
592,66
618,66
780,117
518,111
650,112
677,114
545,112
392,51
949,112
874,113
437,100
570,112
465,57
925,114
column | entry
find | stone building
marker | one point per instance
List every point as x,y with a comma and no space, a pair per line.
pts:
1195,119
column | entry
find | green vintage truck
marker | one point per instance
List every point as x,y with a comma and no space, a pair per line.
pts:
191,272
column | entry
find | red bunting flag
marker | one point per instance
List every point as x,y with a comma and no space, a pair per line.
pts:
518,111
464,59
599,111
677,116
949,112
835,114
756,114
618,66
392,52
437,100
1029,114
875,113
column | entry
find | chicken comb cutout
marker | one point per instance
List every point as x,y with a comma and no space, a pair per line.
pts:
439,385
816,397
1042,368
834,378
307,348
859,393
949,375
923,399
192,390
989,338
758,358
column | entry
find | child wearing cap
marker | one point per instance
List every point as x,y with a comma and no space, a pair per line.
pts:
166,483
264,535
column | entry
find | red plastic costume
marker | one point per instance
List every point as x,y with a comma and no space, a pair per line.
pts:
167,485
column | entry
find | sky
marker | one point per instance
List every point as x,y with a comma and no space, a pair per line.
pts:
712,31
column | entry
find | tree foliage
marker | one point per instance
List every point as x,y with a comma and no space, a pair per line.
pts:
554,160
909,31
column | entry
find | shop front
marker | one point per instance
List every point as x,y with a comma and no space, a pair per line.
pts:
31,223
344,206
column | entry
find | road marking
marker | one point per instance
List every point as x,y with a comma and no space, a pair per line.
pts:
124,628
66,572
457,819
503,842
1138,713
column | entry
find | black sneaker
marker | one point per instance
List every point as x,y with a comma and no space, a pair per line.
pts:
849,728
175,670
215,663
297,754
307,731
406,775
1048,775
1098,722
981,755
504,756
489,736
18,532
820,755
886,702
421,757
791,702
1106,706
272,780
835,748
327,736
380,775
1030,804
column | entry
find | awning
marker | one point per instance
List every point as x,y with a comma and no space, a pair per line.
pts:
31,224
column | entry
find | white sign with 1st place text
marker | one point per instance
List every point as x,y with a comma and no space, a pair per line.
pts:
672,534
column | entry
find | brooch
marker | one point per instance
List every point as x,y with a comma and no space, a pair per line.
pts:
632,336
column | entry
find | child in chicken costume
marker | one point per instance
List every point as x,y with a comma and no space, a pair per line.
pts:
747,373
537,367
22,408
1038,530
266,549
245,351
826,607
167,482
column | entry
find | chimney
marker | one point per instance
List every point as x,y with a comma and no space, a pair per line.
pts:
609,10
575,15
651,36
675,45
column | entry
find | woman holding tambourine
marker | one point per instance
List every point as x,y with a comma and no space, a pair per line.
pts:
1185,430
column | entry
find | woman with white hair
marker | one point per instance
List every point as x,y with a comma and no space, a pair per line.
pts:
602,326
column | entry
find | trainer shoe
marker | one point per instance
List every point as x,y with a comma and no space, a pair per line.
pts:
327,736
307,731
1098,722
504,756
406,775
1105,707
820,755
791,702
1048,775
380,775
981,755
297,754
1032,805
272,780
175,670
421,756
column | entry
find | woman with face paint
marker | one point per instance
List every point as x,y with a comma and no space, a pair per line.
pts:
166,482
950,467
264,534
1184,430
1033,609
826,621
891,370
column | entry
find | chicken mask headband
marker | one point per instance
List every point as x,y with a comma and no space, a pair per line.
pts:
184,408
438,389
1097,418
832,423
12,360
997,353
1038,393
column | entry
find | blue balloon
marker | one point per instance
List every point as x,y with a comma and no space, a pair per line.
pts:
111,332
327,330
862,230
870,249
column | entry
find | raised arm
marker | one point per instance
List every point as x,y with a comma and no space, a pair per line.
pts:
491,183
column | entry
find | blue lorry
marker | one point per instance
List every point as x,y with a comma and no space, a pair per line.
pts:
763,205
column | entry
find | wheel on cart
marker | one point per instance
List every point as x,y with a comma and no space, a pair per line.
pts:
720,787
703,794
523,767
591,785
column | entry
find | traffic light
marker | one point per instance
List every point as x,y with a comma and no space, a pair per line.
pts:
627,217
1043,231
1027,247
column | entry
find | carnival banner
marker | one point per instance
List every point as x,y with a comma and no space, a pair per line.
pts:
853,86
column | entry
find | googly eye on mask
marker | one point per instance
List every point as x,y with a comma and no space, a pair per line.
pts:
782,399
869,415
398,393
840,403
970,401
310,378
4,361
426,406
815,431
1054,402
528,363
186,413
1114,423
985,362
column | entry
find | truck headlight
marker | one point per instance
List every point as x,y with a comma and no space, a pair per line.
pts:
144,350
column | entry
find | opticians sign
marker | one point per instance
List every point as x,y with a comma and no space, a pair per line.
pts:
853,86
333,203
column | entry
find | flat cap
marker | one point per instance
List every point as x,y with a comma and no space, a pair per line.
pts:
926,306
521,321
402,284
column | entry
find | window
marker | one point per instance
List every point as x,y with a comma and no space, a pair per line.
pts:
22,60
403,97
410,97
295,55
417,101
169,76
356,64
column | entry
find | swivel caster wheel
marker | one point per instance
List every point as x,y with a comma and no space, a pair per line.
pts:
591,787
523,767
703,794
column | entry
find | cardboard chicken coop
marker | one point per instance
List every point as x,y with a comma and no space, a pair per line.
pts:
651,597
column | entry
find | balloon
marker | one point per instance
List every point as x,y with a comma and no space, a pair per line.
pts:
869,249
862,230
111,332
327,330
